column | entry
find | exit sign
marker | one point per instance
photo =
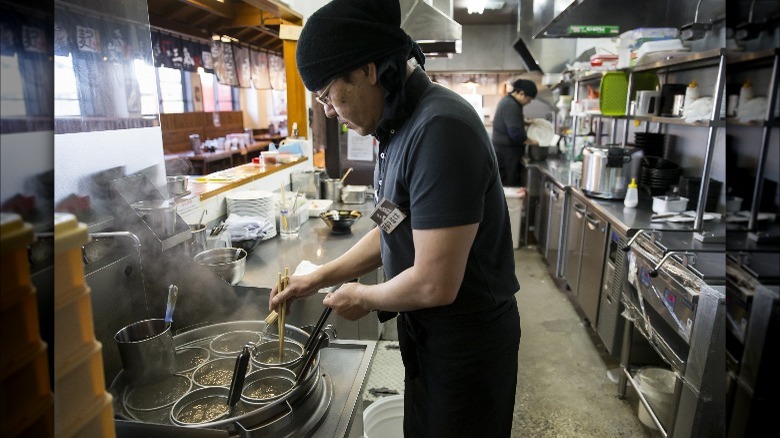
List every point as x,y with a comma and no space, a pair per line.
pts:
592,30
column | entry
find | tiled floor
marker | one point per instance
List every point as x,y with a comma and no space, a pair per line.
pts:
564,389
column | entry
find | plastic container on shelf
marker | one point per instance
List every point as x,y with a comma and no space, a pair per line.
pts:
73,326
25,394
15,237
78,384
97,421
19,331
69,237
43,425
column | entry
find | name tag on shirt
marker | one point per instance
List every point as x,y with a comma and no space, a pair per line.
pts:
387,215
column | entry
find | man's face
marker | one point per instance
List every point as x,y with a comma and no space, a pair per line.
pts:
523,98
357,100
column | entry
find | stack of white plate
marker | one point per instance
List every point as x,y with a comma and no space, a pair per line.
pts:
254,203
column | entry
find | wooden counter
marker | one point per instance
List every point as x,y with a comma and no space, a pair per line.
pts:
208,186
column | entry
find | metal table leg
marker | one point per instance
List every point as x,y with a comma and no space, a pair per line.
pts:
625,354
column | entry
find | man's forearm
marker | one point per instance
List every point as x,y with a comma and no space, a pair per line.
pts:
361,259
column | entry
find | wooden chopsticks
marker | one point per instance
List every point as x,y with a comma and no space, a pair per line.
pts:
281,285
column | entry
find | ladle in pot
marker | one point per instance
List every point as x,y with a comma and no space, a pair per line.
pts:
345,175
173,292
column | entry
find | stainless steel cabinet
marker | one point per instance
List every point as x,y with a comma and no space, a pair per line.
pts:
574,224
555,232
594,241
585,251
543,219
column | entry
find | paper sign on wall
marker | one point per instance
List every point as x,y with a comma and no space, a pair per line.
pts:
360,147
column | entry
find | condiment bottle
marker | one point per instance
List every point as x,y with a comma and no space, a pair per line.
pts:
745,94
632,195
691,94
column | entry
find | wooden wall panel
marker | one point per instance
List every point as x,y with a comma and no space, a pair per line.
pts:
176,128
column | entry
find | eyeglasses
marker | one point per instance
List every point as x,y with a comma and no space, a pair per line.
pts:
323,97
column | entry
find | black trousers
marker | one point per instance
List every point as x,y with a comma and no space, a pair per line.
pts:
510,165
460,373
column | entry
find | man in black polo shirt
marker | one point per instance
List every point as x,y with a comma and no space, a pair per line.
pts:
509,136
443,234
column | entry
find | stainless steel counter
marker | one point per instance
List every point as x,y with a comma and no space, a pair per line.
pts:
318,245
626,220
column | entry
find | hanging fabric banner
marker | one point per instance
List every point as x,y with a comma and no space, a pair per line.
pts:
157,51
87,39
243,66
168,43
224,65
61,37
206,58
9,34
190,55
276,71
115,46
260,77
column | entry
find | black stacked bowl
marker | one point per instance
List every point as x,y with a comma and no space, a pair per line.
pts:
651,143
690,188
658,175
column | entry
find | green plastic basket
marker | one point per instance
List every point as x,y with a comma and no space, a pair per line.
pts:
613,92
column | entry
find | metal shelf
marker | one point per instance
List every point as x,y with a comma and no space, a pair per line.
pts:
733,57
674,121
680,59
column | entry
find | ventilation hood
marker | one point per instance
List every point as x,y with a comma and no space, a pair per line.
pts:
530,61
437,33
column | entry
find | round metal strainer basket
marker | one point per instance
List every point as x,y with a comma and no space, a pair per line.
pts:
157,395
231,343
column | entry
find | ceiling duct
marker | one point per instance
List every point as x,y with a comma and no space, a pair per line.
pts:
437,33
530,61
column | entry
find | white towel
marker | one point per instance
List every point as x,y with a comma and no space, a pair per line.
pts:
249,227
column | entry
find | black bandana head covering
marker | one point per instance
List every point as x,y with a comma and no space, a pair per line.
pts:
346,34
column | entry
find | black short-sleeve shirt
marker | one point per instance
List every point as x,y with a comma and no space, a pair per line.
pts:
440,168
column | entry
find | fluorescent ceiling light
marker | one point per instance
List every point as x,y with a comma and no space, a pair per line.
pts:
476,6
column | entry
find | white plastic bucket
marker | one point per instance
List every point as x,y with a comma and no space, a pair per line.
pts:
384,418
514,203
657,385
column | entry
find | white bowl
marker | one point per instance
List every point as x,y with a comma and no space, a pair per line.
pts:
669,204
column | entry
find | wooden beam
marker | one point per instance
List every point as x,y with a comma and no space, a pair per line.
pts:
175,26
224,10
296,92
278,9
246,15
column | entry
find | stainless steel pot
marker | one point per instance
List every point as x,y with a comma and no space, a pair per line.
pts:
607,170
159,215
177,184
331,189
147,351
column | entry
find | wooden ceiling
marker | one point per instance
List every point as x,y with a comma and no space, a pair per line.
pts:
252,22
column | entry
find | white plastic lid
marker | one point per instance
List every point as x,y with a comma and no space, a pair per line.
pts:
14,232
69,233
